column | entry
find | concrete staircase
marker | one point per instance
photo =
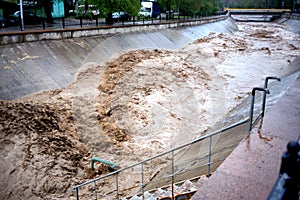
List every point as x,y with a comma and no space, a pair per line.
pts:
182,190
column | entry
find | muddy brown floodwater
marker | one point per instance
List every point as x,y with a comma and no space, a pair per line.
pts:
136,105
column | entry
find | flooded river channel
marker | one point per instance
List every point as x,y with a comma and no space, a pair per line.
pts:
139,103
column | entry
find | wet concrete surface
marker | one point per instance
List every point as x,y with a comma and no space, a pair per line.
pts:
45,65
252,169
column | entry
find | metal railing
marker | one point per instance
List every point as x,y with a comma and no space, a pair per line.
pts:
81,22
172,152
265,91
175,171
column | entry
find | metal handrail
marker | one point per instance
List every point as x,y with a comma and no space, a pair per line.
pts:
76,188
265,95
265,91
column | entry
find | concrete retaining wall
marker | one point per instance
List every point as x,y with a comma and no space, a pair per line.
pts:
30,36
294,23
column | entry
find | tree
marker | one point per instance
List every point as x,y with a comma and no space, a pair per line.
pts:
107,7
130,6
258,3
190,7
167,5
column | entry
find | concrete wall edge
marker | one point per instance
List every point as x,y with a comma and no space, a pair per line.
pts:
32,36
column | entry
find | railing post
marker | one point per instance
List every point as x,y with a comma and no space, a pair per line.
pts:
265,90
142,165
265,95
209,155
43,23
75,189
95,190
117,185
63,23
173,175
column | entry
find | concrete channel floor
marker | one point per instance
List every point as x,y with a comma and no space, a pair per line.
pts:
252,169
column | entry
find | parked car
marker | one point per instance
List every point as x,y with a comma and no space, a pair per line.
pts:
120,16
2,22
28,17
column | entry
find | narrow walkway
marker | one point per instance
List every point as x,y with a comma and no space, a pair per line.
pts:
252,169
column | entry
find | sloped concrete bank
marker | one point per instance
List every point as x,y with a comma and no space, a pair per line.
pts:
292,21
48,64
294,25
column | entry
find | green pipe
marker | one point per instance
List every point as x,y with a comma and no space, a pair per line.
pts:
112,165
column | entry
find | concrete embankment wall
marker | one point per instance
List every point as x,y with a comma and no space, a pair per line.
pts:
28,67
30,36
294,25
292,21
